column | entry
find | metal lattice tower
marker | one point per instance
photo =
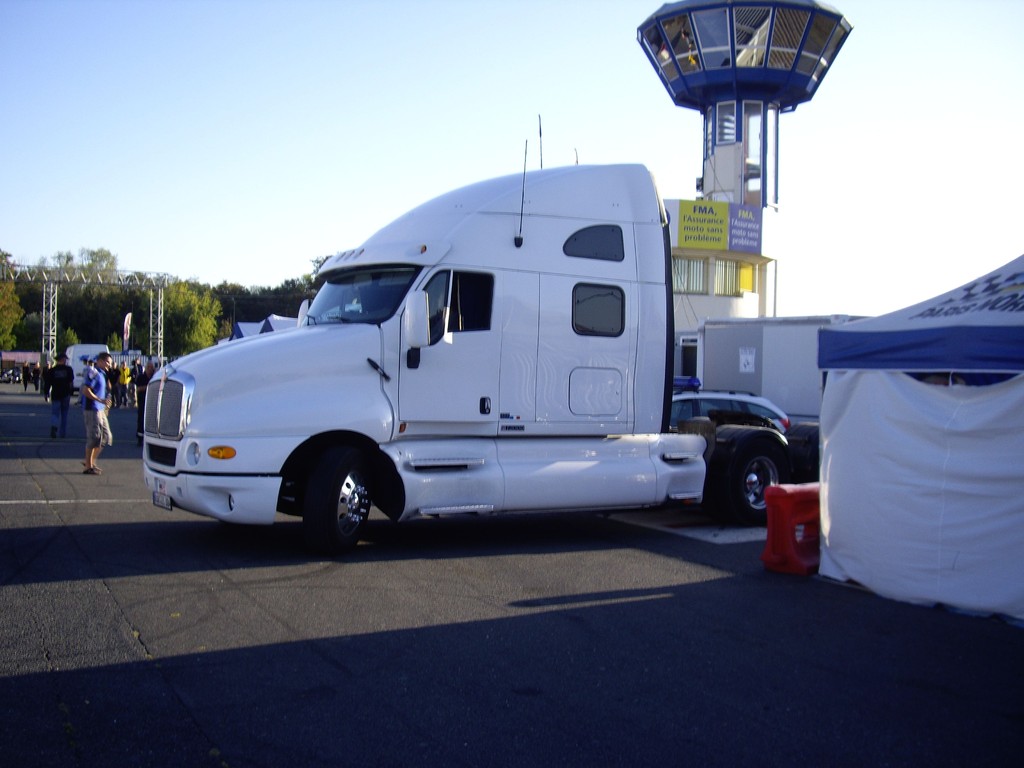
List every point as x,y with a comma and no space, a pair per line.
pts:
52,277
49,346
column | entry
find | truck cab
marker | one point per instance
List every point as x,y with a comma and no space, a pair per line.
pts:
503,348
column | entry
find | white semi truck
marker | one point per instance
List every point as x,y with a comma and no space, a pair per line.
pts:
506,347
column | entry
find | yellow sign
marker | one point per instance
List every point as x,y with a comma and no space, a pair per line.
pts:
704,224
709,225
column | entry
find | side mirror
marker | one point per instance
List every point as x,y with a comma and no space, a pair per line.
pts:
417,322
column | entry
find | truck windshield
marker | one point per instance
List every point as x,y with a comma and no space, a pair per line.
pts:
361,295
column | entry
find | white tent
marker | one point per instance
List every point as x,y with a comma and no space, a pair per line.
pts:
269,324
922,485
245,330
277,323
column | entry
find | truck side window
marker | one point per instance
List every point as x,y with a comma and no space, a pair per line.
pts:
437,305
603,241
598,310
472,297
466,308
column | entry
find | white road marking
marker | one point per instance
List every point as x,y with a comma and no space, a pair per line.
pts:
14,502
692,525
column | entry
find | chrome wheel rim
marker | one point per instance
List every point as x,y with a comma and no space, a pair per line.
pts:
353,503
760,474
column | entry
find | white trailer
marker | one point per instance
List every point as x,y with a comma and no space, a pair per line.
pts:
80,355
773,357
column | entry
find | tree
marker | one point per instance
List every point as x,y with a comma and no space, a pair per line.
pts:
194,314
98,261
254,303
67,339
10,309
28,333
317,263
191,313
103,306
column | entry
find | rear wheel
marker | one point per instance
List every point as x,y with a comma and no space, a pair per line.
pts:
753,469
337,502
804,451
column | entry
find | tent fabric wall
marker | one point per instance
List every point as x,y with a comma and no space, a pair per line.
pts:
922,485
922,493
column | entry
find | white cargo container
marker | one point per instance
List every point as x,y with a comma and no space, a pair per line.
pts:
772,357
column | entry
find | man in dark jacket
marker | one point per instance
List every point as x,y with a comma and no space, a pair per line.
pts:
58,384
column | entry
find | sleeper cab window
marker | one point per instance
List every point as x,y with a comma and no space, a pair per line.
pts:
598,310
602,241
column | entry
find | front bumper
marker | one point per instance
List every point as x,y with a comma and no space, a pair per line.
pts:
247,499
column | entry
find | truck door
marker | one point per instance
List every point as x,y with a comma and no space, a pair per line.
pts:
586,353
454,381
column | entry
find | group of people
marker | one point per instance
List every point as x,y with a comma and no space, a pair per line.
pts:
102,389
123,384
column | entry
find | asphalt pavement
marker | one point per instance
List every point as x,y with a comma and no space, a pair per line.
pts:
132,636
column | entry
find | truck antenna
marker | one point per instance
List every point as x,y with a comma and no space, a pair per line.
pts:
540,138
518,240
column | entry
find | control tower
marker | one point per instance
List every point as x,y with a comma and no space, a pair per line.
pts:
741,63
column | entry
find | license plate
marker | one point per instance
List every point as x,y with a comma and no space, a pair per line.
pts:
161,500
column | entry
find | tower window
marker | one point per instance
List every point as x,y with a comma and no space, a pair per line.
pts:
689,275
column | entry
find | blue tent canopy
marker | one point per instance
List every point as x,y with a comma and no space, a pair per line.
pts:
979,327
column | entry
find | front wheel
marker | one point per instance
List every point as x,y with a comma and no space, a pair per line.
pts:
753,469
337,502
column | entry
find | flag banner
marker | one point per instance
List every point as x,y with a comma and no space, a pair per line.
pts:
127,332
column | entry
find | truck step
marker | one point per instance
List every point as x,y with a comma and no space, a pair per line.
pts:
446,463
463,509
680,458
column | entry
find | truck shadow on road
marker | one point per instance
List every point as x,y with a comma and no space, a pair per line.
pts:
714,672
89,550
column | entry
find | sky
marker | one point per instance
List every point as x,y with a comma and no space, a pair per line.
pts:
239,140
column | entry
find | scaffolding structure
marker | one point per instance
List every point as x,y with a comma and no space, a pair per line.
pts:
52,277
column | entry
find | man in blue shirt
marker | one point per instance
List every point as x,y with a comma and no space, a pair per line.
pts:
95,402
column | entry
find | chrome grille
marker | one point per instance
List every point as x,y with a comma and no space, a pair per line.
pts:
165,399
152,414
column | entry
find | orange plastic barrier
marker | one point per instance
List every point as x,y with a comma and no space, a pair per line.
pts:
794,529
